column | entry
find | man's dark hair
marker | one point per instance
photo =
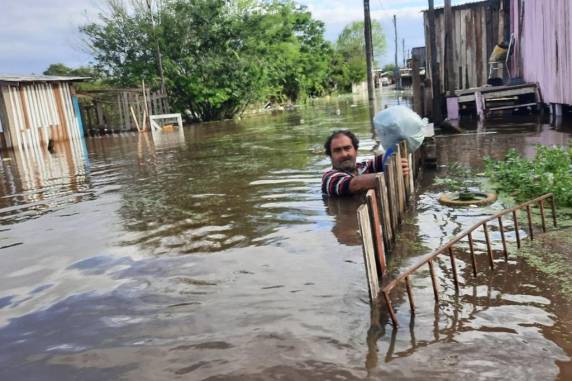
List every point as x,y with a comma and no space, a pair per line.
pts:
348,133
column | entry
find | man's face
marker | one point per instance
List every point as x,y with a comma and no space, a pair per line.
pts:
343,153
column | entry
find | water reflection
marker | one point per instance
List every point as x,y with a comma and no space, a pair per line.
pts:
504,310
344,211
504,306
36,181
217,258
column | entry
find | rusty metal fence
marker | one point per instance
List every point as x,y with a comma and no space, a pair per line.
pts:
447,249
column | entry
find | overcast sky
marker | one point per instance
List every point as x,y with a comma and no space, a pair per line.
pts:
36,33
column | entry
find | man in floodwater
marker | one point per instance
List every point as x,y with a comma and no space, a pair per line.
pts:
347,177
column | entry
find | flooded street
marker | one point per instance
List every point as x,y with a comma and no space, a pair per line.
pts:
216,257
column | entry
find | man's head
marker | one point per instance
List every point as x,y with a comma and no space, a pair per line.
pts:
341,146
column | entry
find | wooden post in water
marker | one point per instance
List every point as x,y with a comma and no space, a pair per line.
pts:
454,269
434,280
410,295
411,176
368,252
416,84
390,309
368,50
404,155
371,200
387,230
400,183
390,182
135,119
473,259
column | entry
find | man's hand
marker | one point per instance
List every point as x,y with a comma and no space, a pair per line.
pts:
367,181
405,167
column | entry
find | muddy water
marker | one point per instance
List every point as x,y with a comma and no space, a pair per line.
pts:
214,256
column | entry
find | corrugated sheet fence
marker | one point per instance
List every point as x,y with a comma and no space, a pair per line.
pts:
543,51
35,112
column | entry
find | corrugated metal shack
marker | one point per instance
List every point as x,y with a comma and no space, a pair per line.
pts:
543,48
37,108
475,33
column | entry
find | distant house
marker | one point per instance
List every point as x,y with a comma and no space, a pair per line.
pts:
35,109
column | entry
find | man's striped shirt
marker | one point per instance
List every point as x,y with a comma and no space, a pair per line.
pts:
337,183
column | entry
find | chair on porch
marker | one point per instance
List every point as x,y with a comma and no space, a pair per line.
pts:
498,61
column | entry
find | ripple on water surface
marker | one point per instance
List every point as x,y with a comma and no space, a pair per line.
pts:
215,257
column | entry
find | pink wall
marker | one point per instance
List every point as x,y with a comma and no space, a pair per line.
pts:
543,50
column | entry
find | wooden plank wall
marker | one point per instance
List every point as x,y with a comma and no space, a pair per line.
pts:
543,50
35,112
112,110
475,33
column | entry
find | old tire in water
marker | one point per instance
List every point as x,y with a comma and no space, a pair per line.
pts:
452,199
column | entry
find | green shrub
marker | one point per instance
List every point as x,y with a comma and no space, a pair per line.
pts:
549,171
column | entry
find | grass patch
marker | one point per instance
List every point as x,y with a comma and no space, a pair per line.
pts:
550,254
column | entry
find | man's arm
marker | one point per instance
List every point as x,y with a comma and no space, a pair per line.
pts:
362,182
336,183
367,181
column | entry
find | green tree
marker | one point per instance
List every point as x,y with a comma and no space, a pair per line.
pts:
219,56
350,45
388,68
61,69
121,43
294,51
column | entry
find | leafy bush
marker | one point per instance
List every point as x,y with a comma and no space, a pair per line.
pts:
550,171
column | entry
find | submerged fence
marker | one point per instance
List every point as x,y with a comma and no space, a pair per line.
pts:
386,206
447,249
380,216
374,253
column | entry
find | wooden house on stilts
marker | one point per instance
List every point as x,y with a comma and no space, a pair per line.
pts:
35,109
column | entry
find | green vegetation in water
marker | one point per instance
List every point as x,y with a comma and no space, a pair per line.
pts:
549,171
459,179
550,254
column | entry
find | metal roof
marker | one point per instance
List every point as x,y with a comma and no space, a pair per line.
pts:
39,78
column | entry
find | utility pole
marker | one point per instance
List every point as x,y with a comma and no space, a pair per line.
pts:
449,70
368,50
435,74
396,69
157,49
403,52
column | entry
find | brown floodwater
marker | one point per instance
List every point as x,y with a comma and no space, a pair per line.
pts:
213,256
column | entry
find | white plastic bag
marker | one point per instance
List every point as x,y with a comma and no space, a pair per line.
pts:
398,123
